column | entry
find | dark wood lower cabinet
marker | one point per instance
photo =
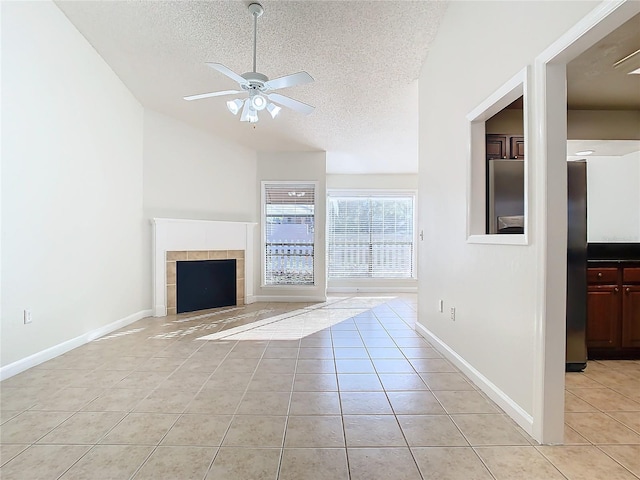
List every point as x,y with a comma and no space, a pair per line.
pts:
613,312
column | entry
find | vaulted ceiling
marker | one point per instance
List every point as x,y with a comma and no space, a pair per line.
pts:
365,57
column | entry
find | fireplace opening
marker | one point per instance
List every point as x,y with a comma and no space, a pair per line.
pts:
205,284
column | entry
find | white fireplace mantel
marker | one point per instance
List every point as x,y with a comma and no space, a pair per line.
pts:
173,234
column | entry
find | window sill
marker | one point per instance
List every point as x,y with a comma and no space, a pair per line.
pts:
499,239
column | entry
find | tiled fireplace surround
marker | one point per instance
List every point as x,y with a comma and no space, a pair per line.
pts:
195,255
190,240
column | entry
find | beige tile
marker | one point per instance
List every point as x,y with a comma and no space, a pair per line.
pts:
575,404
255,431
6,415
276,365
217,402
217,254
68,399
421,352
245,464
630,419
166,400
30,426
172,301
315,403
84,428
314,464
626,455
228,381
244,350
423,365
354,365
415,403
465,402
584,462
518,462
171,273
571,437
451,463
239,365
176,255
271,382
112,461
172,310
359,382
579,380
365,403
148,380
629,390
489,429
314,431
236,253
7,452
141,428
203,430
598,427
197,255
606,400
392,365
100,379
315,352
315,366
264,403
382,464
184,463
430,430
315,382
117,400
42,462
372,431
402,381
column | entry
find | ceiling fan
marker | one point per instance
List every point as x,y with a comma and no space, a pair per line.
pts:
258,87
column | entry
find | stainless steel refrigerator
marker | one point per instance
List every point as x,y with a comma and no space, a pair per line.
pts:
576,266
505,214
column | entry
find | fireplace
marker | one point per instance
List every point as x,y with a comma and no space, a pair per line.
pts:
217,276
205,284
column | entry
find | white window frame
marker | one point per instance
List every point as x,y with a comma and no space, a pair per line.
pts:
263,238
515,88
379,192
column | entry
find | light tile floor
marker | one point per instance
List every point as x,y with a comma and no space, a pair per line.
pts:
342,390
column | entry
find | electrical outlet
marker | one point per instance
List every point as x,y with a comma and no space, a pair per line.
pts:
441,306
27,316
453,313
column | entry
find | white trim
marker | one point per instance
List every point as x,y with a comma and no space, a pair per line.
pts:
288,298
47,354
517,86
549,334
365,289
511,408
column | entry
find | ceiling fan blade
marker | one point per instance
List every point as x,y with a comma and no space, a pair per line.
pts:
292,80
291,103
245,112
212,94
228,72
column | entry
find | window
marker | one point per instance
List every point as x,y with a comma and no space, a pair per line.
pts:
371,236
289,233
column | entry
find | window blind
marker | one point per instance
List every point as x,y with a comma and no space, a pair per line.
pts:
289,233
370,236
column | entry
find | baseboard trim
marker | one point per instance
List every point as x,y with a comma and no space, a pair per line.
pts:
160,311
47,354
288,298
372,289
511,408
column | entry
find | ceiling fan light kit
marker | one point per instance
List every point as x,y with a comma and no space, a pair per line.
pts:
258,86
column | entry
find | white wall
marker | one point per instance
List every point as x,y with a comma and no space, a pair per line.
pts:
189,173
72,224
613,198
492,287
300,167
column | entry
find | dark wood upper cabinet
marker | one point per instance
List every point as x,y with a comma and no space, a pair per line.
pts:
504,146
517,147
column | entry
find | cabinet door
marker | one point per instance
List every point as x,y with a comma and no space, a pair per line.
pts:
631,315
496,146
603,316
516,149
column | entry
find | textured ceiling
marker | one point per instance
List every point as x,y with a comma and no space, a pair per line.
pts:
594,83
365,58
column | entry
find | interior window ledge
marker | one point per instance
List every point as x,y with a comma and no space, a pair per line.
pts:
499,239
